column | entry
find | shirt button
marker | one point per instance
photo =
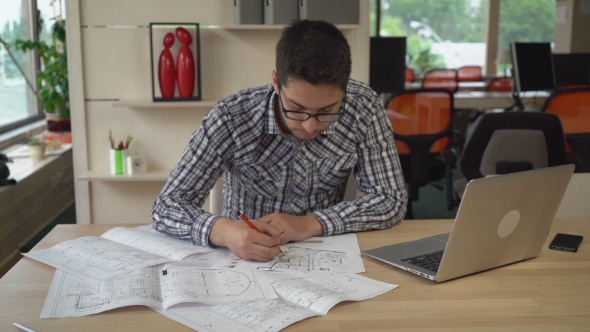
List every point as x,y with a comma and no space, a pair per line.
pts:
295,199
298,177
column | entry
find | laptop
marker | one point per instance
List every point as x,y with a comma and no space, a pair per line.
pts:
501,220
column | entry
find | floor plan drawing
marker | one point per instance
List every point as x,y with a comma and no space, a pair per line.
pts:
149,240
305,259
302,295
339,253
156,287
96,259
255,316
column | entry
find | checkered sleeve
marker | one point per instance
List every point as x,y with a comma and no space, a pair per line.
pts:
378,174
177,210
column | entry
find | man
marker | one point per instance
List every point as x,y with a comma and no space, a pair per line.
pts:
285,151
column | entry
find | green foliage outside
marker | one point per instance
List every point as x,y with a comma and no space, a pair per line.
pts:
458,22
13,31
526,21
52,79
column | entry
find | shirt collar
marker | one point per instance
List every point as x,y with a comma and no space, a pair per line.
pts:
271,125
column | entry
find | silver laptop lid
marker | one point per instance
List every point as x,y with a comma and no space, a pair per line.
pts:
503,219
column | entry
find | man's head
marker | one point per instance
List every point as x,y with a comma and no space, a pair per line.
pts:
313,66
315,52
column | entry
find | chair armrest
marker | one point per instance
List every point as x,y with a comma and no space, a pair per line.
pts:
448,156
572,158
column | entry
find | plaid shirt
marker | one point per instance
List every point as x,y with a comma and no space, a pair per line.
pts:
266,171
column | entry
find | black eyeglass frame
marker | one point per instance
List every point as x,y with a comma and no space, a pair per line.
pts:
337,115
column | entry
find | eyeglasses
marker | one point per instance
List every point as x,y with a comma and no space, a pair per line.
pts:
303,116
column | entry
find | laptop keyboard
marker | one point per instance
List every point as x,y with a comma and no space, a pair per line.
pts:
430,261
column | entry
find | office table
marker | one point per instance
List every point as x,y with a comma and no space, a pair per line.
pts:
550,292
485,99
463,86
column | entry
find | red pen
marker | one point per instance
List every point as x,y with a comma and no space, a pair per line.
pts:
249,223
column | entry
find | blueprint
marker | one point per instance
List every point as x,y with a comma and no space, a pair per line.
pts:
301,295
320,291
147,239
155,287
96,259
339,253
116,252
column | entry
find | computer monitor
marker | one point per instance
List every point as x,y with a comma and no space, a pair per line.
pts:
533,67
387,64
572,69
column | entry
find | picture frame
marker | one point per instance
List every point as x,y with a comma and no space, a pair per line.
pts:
175,54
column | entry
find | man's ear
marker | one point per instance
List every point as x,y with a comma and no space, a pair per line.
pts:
275,81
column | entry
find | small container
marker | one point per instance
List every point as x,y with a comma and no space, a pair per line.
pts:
37,151
117,161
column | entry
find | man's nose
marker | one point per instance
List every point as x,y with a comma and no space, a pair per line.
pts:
310,125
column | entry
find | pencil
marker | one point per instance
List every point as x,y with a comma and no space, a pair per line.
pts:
249,223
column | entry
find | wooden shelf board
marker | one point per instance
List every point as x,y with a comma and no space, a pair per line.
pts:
279,27
153,176
146,103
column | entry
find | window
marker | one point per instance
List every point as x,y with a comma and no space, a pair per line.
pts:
441,33
525,21
18,103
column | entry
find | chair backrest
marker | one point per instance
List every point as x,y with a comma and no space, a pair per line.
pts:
469,73
572,106
500,84
421,121
573,86
503,143
409,75
441,79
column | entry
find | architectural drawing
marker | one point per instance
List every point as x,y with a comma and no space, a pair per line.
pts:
255,316
154,287
302,295
95,259
149,240
339,253
305,259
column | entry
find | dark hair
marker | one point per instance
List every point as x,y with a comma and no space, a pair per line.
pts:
315,52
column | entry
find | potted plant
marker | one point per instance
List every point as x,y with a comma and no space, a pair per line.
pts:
52,79
37,149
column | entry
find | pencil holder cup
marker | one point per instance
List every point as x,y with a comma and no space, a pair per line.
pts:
117,159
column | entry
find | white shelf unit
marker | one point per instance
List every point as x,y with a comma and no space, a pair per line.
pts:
278,27
146,103
153,176
110,90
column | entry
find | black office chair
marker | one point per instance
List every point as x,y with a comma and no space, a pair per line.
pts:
502,143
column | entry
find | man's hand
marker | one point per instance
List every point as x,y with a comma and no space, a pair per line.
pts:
293,228
245,242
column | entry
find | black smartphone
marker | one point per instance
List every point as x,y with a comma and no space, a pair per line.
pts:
566,242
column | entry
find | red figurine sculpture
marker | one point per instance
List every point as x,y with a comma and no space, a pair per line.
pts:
185,64
166,72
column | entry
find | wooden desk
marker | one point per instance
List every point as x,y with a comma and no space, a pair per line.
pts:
550,292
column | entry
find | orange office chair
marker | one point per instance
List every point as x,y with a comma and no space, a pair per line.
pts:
573,86
422,127
500,84
469,74
441,79
409,75
572,106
